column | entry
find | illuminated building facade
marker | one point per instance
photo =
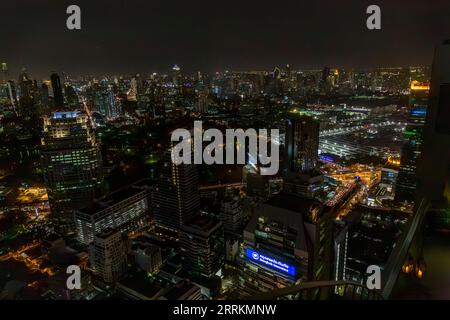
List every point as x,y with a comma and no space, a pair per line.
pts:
175,199
28,95
301,144
108,255
407,179
287,241
71,163
202,246
126,209
202,101
231,215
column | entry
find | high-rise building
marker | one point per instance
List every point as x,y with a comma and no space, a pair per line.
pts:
4,70
28,95
407,175
8,98
231,215
287,241
202,246
202,101
176,75
71,162
301,144
147,257
434,169
108,255
126,210
57,87
175,199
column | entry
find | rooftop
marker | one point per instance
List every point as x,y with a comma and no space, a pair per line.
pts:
115,197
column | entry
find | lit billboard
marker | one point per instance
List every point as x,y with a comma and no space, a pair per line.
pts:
270,262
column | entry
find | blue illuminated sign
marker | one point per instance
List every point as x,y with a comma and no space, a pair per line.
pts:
327,158
65,114
270,262
420,111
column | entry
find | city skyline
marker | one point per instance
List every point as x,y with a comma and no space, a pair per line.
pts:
315,167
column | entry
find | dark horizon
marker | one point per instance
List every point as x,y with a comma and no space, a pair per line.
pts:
123,37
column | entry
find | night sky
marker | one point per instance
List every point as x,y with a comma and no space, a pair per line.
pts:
130,36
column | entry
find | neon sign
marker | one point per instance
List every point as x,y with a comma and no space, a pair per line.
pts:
270,262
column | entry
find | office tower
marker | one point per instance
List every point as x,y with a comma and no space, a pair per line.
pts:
389,178
4,70
71,162
8,98
57,87
103,99
108,255
176,75
202,246
301,144
276,78
132,94
28,95
175,199
147,257
45,97
407,175
434,165
364,237
126,210
324,83
71,96
231,215
287,241
202,101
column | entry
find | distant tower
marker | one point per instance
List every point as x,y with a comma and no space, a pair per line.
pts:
4,70
176,75
301,144
202,101
57,91
28,95
133,92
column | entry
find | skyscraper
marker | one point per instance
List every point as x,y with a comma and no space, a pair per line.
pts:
407,176
301,144
175,199
202,101
71,162
434,169
125,210
57,91
176,75
202,246
108,255
4,70
287,241
28,95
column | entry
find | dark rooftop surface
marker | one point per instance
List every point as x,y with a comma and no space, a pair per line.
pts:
139,282
294,203
202,223
115,197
